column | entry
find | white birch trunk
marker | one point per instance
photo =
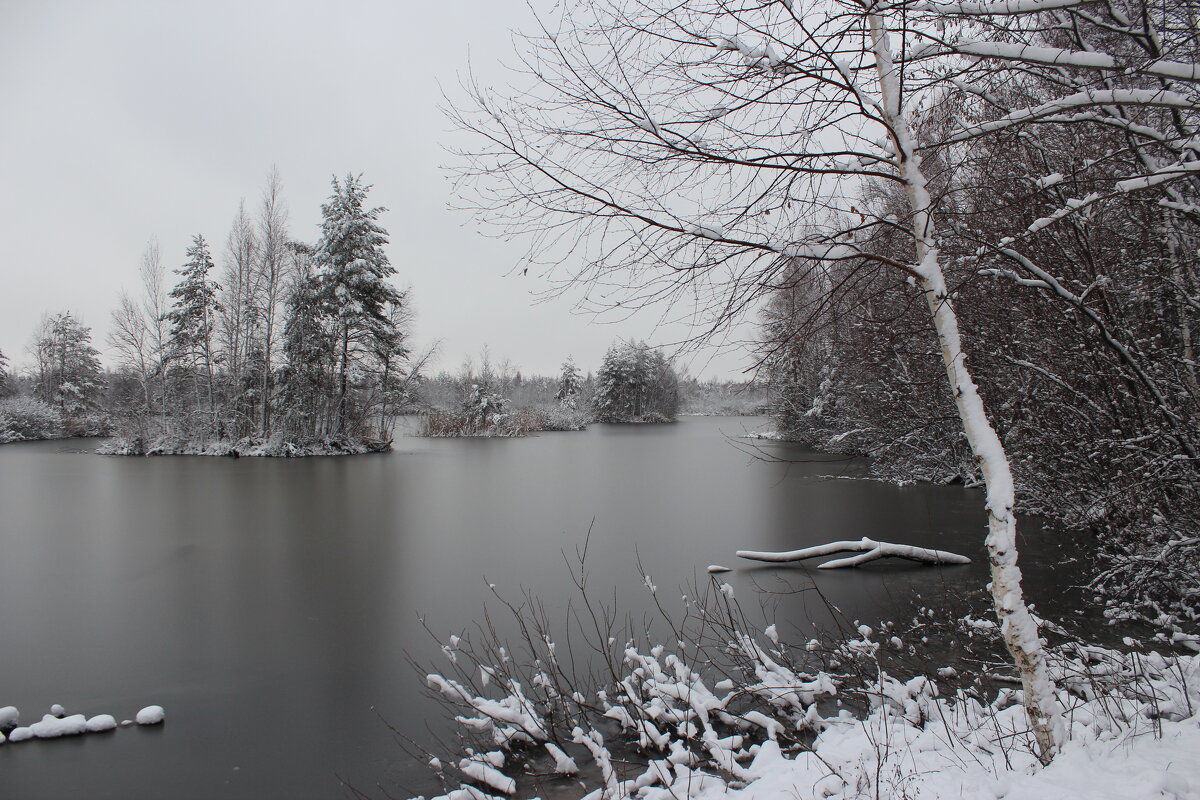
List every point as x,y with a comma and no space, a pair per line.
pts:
1016,624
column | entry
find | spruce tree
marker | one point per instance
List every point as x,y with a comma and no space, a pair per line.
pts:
568,384
635,384
352,273
193,317
69,367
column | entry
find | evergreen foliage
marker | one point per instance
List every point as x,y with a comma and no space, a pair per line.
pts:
6,387
569,384
354,293
193,318
635,384
69,374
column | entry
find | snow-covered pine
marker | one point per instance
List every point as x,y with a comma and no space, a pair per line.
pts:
569,383
193,317
353,291
635,383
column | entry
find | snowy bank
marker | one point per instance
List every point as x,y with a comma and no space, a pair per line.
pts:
724,712
275,447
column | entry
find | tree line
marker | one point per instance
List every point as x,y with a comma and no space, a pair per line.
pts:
290,343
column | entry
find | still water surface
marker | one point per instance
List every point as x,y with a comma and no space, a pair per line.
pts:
269,604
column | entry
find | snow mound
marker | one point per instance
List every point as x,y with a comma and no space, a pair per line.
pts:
9,718
51,727
101,722
151,715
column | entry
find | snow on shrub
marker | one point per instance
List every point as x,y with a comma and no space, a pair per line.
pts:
727,710
27,419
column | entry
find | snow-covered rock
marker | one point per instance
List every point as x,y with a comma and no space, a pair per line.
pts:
151,715
20,734
51,727
101,722
10,717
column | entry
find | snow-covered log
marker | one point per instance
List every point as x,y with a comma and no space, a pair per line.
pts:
869,548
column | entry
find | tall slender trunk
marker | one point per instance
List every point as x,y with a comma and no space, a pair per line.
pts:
265,427
1016,623
341,404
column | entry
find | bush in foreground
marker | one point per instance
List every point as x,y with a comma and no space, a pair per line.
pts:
720,708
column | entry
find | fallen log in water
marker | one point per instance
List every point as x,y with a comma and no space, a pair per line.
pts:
869,551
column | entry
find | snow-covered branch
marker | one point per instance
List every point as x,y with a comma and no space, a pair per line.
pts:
870,550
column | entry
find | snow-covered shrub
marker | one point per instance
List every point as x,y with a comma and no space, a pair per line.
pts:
725,708
24,419
562,419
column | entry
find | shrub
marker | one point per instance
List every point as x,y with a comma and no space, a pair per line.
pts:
25,419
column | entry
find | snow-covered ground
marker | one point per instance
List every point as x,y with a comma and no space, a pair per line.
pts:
275,447
1132,719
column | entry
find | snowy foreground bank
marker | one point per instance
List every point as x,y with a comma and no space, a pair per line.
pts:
759,727
250,448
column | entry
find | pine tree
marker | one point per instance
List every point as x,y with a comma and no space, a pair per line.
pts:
68,365
193,317
352,271
568,385
635,384
4,379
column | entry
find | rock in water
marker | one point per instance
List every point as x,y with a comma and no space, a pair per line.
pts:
151,715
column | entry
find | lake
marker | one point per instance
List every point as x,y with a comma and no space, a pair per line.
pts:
269,605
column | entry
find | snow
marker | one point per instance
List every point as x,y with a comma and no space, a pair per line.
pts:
51,727
1052,56
150,715
1159,176
870,548
1086,99
1001,8
101,722
706,231
480,768
56,724
715,568
923,765
563,763
1131,731
9,717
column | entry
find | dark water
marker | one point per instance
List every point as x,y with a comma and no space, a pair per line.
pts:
269,604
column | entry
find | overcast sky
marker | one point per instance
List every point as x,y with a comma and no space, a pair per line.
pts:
120,121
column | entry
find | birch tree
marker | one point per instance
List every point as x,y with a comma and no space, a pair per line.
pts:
238,318
138,336
271,269
709,150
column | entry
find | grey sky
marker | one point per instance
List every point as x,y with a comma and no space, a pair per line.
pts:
125,120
